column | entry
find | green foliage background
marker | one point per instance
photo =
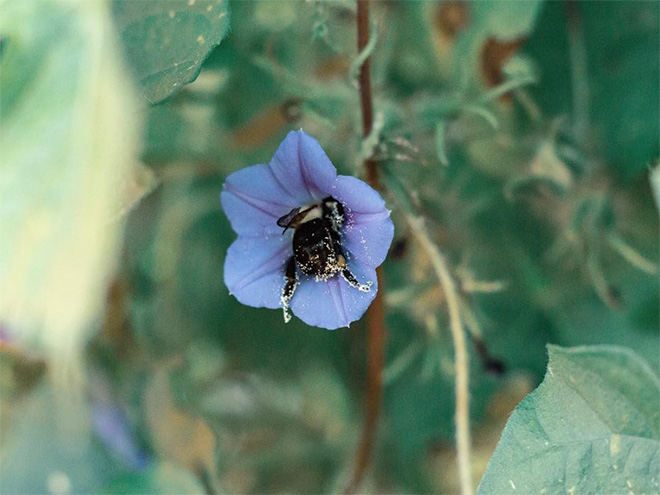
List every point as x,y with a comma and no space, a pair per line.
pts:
524,134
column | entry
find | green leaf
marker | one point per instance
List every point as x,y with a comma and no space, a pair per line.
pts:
506,20
167,41
501,21
592,426
69,139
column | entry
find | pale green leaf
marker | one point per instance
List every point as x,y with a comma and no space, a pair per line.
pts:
592,426
501,21
69,139
506,20
166,41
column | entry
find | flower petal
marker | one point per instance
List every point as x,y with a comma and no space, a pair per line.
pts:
302,167
368,231
333,303
253,200
367,240
254,269
255,197
111,424
357,195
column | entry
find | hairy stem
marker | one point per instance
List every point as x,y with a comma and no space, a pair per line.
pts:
376,313
462,414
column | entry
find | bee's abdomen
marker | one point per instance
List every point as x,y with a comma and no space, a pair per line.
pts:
314,250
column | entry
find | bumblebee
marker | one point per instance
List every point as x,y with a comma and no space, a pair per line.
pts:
317,249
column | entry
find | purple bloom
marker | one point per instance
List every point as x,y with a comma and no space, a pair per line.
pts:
111,424
339,225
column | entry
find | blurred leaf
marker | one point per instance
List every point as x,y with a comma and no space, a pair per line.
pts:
159,479
273,427
138,184
425,377
623,70
553,90
506,20
182,129
49,448
268,422
592,426
618,77
65,161
176,436
166,41
176,240
495,32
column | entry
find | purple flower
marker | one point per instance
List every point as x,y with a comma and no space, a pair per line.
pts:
111,424
307,237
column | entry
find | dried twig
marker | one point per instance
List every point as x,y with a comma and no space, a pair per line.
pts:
462,417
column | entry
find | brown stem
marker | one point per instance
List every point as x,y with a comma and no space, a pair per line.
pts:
376,313
375,353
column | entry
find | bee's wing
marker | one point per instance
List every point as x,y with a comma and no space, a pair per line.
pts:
287,220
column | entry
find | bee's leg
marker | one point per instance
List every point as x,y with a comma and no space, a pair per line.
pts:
349,277
291,278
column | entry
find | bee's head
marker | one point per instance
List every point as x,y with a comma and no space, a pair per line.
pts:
333,211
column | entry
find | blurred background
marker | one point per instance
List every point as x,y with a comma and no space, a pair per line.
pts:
525,133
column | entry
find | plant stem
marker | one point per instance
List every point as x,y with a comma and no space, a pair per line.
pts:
462,414
376,313
579,73
366,100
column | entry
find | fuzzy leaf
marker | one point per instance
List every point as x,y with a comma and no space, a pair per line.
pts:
69,140
592,426
167,41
